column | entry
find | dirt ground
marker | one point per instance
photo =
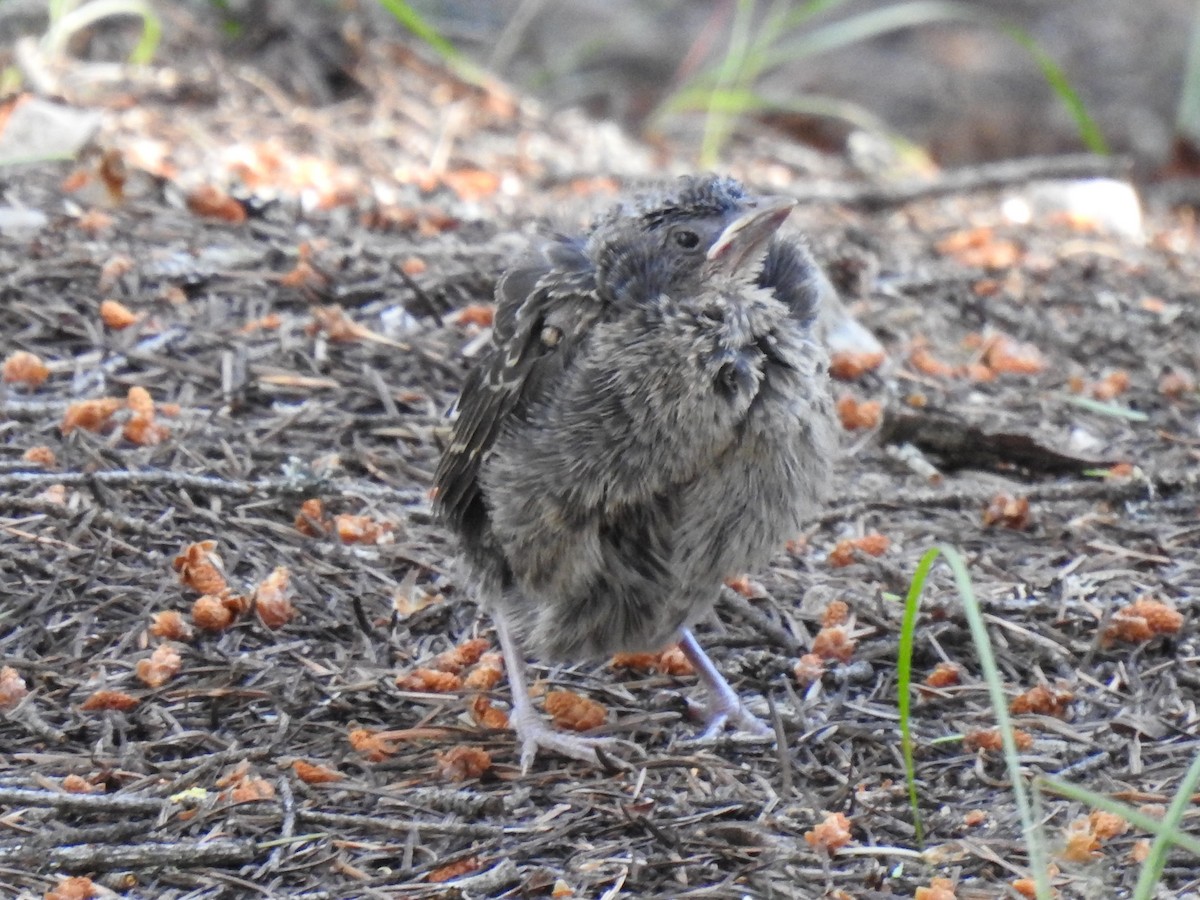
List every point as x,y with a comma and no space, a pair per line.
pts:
303,339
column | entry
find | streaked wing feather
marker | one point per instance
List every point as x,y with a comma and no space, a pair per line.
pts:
510,377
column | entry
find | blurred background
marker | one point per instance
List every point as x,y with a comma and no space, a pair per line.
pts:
962,90
938,81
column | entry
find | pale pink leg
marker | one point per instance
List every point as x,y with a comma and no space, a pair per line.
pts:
533,732
724,706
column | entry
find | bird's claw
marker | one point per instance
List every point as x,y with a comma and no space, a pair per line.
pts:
717,718
534,735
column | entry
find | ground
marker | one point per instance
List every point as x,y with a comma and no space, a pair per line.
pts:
304,342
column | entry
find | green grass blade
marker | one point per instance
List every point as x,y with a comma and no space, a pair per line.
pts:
1100,407
810,9
717,123
1187,116
403,13
1152,869
1089,131
68,19
1038,860
867,25
1130,814
908,628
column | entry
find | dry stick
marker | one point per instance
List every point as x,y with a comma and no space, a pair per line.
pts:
1106,489
150,478
988,176
107,857
95,803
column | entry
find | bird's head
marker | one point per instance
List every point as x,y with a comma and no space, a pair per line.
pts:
702,228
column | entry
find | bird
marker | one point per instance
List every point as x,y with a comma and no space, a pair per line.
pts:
651,418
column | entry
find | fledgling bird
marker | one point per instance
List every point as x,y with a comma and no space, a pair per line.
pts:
652,418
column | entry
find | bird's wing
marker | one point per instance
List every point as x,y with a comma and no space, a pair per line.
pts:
516,371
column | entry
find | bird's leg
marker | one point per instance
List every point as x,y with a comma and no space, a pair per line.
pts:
724,706
533,732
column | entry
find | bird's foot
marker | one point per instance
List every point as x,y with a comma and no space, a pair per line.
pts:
534,734
725,708
723,714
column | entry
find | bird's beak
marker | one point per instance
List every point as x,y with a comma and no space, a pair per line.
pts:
743,240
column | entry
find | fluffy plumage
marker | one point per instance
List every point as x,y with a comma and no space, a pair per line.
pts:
652,418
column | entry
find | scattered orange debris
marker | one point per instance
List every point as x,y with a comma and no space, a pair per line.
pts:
362,529
461,657
12,688
212,613
923,360
117,315
846,365
243,785
487,674
837,612
163,665
103,699
333,322
55,493
487,715
41,455
141,428
93,222
746,586
1026,887
481,314
1106,825
1140,621
269,322
574,712
1008,512
200,567
77,784
472,184
670,661
414,265
809,668
374,745
944,674
171,625
1140,851
830,835
1041,700
1175,384
24,368
1111,386
114,269
271,602
463,762
939,889
673,661
312,773
980,247
311,521
990,739
1004,356
845,551
76,887
857,414
833,643
211,202
974,818
90,415
453,870
429,680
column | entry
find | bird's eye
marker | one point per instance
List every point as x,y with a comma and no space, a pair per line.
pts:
687,239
